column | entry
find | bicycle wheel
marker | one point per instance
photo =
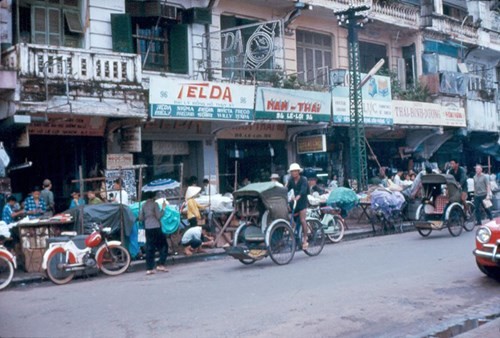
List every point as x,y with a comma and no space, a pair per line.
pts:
55,268
424,232
315,237
336,229
281,243
455,221
247,261
470,222
113,260
6,272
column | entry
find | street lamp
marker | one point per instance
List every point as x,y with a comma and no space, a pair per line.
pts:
352,20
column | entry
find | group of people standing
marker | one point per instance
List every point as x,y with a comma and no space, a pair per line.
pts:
40,202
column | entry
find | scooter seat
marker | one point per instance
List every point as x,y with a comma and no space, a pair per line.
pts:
79,241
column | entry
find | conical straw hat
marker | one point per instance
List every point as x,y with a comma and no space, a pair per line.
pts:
192,191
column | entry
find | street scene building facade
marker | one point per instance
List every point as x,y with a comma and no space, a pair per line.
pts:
240,89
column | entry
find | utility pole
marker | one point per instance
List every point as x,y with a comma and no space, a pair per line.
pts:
352,20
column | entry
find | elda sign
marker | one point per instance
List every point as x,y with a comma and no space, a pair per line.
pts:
200,100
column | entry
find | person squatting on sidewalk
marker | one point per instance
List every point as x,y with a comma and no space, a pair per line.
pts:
155,239
195,238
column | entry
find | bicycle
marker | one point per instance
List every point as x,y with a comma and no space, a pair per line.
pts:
315,234
331,219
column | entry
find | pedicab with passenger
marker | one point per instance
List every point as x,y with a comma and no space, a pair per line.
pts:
442,207
267,228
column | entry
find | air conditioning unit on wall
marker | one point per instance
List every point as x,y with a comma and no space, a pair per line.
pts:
169,12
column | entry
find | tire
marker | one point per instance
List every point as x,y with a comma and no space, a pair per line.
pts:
339,229
455,221
470,222
281,246
247,261
6,272
423,232
315,237
55,273
489,271
114,260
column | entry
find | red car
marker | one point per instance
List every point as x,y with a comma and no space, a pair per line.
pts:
487,250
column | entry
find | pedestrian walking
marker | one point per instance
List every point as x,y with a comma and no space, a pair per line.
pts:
482,192
155,239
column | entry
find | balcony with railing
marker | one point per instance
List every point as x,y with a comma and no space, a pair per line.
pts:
455,29
397,13
73,64
78,81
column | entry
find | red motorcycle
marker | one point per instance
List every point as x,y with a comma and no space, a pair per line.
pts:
85,252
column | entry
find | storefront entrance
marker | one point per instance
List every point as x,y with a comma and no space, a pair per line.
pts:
252,159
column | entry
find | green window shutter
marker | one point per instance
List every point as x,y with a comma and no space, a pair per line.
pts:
121,32
178,49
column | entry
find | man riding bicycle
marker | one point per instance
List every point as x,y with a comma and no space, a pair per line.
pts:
460,176
299,185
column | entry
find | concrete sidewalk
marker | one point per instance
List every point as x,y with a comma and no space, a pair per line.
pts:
355,231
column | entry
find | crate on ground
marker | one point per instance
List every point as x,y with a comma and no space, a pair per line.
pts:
33,259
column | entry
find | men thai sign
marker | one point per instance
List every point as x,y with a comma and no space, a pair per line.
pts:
201,100
292,105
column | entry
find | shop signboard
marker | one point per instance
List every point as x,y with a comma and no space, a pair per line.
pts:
65,125
200,100
416,113
427,114
118,161
292,105
256,131
377,107
453,116
311,144
131,140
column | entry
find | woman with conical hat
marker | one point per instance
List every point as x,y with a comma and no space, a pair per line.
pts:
193,207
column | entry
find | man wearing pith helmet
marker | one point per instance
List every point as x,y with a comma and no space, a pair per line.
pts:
298,184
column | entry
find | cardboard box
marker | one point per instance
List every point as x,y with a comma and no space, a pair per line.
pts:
33,260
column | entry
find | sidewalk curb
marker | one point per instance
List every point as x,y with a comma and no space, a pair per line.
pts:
139,265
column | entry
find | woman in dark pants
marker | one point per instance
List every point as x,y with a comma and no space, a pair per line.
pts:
155,239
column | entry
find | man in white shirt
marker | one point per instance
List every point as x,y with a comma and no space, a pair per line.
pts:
118,194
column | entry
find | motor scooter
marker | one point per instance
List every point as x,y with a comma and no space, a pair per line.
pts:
7,266
84,252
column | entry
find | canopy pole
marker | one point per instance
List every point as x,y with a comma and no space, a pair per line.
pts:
235,175
80,207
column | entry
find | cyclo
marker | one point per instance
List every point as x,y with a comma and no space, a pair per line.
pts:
266,229
442,207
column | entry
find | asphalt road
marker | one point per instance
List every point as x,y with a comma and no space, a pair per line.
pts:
392,286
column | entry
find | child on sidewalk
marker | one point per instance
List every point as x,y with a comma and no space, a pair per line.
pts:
195,238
